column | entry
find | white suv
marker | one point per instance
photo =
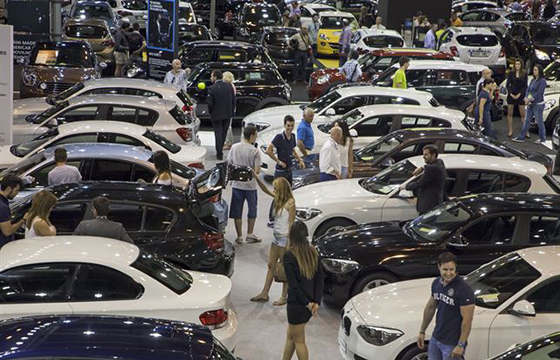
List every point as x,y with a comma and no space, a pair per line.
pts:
474,46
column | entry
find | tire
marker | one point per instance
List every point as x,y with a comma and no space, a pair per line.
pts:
371,281
331,224
416,353
550,125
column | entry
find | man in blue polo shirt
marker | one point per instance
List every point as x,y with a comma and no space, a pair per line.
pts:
9,188
305,138
454,301
285,144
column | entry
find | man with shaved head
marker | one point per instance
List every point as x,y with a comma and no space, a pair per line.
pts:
329,157
305,137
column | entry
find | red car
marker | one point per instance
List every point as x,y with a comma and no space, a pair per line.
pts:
323,80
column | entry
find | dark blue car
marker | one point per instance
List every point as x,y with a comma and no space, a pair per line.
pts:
107,338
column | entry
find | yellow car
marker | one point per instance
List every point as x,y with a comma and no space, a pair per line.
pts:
330,30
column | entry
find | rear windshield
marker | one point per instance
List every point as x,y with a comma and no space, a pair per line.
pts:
186,13
173,278
477,40
69,92
180,116
135,4
84,11
264,16
162,141
190,33
85,31
279,38
185,98
383,41
331,22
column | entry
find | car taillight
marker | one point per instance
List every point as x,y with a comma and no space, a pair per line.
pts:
214,241
454,51
214,319
185,133
197,165
502,52
216,198
124,13
187,109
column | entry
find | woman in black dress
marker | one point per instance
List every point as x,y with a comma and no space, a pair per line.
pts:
516,87
305,289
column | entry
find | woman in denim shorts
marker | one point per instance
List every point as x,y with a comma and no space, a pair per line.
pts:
284,216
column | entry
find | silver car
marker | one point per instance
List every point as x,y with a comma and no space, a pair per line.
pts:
497,20
161,116
113,86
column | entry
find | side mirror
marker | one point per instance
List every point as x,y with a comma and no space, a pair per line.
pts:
53,122
50,100
330,112
523,308
353,133
405,194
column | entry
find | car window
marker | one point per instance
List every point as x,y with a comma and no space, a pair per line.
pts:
113,170
447,37
459,148
158,219
377,126
410,150
544,230
305,12
66,217
489,16
393,100
491,231
162,141
234,55
473,77
471,16
38,283
484,150
141,172
415,78
517,17
356,37
382,64
414,121
80,113
484,182
124,140
75,139
100,283
122,113
256,78
147,117
41,175
383,41
516,183
122,91
129,215
546,299
199,56
451,77
349,103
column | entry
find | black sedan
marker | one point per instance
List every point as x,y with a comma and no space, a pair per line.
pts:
403,144
535,42
202,51
253,18
545,347
476,228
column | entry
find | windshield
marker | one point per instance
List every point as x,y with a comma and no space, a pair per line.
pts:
478,40
324,101
67,56
192,33
85,31
497,281
350,118
186,13
386,78
260,15
377,148
88,11
162,141
24,165
135,5
389,179
438,223
545,34
38,119
25,148
279,38
69,92
383,41
332,22
173,278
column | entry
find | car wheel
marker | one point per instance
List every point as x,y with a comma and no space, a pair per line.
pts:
416,353
372,281
332,224
550,125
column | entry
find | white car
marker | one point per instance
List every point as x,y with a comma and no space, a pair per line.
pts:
310,9
517,298
464,6
161,116
369,123
364,40
131,11
474,45
383,197
92,275
337,103
108,86
102,132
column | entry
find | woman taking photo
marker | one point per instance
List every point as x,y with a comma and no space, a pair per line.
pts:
482,110
346,151
161,163
516,87
305,288
284,216
38,223
534,99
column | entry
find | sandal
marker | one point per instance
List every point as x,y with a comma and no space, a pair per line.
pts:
280,302
239,240
260,298
253,239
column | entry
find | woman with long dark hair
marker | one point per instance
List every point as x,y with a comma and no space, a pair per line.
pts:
483,105
516,87
163,168
305,289
38,222
534,99
346,151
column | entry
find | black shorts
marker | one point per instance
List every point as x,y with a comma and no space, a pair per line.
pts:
512,101
297,314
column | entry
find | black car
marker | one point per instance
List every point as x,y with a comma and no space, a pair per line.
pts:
476,228
276,40
536,42
544,347
175,224
69,337
352,6
402,144
257,86
253,18
193,32
198,52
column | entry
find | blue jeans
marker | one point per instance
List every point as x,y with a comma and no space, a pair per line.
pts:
344,172
238,197
326,177
488,126
536,111
440,351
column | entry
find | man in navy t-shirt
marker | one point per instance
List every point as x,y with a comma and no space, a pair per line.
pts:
454,301
9,188
285,144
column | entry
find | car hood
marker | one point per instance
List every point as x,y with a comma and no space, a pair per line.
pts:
274,115
330,192
25,107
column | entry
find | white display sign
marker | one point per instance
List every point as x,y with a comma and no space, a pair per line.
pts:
6,84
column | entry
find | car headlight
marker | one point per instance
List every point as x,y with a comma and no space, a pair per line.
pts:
323,37
307,213
541,55
43,86
378,336
86,77
323,79
288,93
339,266
549,104
29,79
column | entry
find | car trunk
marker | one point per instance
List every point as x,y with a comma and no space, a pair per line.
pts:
479,49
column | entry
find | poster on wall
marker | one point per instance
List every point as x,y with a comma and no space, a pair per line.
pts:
31,22
161,36
6,83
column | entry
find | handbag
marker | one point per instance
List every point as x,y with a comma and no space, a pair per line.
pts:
280,273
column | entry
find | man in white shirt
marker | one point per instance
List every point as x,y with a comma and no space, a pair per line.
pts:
176,77
378,24
329,157
62,173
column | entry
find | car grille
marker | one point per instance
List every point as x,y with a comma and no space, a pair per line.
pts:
346,323
334,46
358,357
55,88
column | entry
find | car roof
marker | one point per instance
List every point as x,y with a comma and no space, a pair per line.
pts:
138,338
93,2
114,99
237,66
101,126
221,43
439,133
67,249
146,84
336,13
488,163
381,32
543,258
380,90
101,150
502,12
399,109
471,30
443,65
317,6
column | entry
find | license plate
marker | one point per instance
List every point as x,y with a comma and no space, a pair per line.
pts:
342,345
479,53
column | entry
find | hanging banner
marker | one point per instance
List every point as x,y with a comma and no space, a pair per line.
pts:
31,22
161,36
6,83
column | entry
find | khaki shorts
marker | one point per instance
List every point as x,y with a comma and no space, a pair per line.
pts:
121,57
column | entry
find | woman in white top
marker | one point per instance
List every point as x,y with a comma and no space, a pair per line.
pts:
228,78
284,217
346,151
161,162
38,223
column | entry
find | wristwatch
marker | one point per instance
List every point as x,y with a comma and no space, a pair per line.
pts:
461,344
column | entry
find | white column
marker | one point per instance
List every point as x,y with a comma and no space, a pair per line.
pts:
6,83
